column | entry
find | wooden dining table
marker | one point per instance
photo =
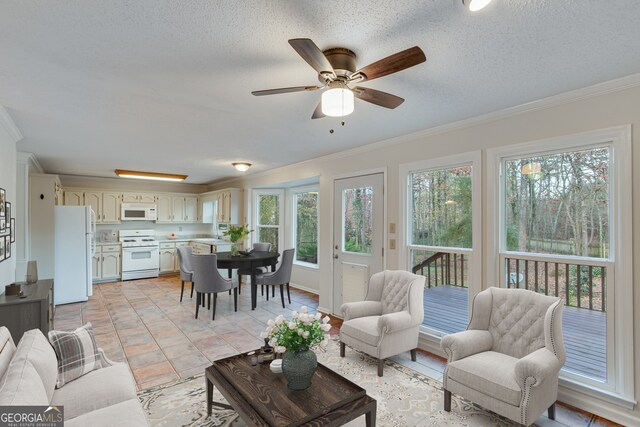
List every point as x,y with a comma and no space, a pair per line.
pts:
250,262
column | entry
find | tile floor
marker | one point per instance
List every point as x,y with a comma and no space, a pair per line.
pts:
143,323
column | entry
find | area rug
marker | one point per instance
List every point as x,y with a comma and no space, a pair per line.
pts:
406,398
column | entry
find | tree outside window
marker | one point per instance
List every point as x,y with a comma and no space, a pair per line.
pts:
306,226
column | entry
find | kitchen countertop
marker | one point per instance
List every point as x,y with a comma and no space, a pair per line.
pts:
107,243
207,241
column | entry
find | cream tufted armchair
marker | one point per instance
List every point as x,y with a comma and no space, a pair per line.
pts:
387,322
509,357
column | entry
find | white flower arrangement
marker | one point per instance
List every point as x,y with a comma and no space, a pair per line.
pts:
302,332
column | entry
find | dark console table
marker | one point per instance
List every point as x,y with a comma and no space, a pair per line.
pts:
34,311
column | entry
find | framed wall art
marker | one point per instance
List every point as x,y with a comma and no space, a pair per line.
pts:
7,246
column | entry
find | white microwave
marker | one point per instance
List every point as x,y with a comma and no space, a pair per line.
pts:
138,212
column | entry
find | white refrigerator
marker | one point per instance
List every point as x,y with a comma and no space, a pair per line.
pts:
74,249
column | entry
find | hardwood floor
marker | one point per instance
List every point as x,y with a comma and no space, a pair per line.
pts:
142,323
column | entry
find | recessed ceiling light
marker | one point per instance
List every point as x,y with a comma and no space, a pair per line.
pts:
241,166
475,5
150,175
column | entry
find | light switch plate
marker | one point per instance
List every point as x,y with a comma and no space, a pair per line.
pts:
392,227
392,243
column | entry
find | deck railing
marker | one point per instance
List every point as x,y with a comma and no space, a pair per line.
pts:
578,284
443,268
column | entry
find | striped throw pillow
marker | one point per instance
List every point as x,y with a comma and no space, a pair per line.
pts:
77,353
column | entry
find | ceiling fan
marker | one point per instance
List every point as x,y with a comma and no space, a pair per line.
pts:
337,70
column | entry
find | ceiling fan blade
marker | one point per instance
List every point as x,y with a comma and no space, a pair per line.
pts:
311,53
377,97
391,64
284,90
317,113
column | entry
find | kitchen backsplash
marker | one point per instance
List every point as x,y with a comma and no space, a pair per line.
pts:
104,231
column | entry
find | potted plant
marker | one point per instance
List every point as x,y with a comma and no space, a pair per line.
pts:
237,234
296,338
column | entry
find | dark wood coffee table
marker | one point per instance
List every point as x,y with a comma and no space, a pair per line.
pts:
262,398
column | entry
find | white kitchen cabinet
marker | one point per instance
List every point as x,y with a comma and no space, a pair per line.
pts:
202,248
168,260
73,198
177,209
111,268
106,206
163,208
110,208
94,199
229,203
107,263
191,209
138,198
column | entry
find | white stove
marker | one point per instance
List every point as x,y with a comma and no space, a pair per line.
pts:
140,254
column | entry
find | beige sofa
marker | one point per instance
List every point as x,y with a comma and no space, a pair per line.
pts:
104,397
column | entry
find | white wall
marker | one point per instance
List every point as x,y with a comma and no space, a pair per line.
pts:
610,104
9,135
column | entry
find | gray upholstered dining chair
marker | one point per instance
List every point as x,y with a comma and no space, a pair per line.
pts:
281,276
388,321
260,247
186,271
208,281
509,358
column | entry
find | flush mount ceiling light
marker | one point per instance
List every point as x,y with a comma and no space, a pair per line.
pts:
475,5
150,175
241,166
337,101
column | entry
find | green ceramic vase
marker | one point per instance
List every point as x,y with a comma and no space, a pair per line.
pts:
298,368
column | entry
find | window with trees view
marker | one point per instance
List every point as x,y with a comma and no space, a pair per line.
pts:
268,219
440,237
306,226
564,218
559,203
441,206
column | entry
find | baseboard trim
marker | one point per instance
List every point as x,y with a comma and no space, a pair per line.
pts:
565,395
596,406
304,288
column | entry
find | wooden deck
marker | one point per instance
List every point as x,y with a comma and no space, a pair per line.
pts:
445,309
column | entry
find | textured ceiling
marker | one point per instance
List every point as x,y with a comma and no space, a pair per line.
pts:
165,85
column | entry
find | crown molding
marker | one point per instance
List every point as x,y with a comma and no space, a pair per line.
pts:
29,158
7,123
592,91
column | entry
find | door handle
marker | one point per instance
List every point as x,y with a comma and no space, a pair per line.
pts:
335,256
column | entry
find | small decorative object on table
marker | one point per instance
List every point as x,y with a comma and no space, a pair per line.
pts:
237,234
295,338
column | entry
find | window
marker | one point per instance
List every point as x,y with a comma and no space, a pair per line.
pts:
268,218
441,236
357,220
562,208
305,227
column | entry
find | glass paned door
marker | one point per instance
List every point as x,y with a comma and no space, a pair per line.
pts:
358,238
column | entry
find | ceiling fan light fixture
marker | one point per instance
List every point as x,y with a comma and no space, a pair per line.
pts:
337,102
155,176
475,5
241,166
